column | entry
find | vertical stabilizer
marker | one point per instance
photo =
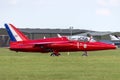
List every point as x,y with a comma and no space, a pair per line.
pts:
15,34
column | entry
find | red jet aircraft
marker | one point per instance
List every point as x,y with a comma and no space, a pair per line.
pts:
19,42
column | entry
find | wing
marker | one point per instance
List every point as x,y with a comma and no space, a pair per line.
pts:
48,43
48,46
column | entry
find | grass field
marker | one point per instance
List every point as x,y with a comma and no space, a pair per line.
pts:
99,65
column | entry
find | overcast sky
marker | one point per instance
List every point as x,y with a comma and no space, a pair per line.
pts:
99,15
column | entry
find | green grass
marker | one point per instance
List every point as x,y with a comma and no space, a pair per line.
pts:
99,65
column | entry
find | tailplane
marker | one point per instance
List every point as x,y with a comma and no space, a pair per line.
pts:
15,34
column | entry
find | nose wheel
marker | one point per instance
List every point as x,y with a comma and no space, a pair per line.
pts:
85,53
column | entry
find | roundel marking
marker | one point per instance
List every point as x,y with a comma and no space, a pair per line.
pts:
85,45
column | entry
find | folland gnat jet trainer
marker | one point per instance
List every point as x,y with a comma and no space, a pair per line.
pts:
19,42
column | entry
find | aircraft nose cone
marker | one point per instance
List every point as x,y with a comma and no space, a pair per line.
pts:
104,46
109,46
115,47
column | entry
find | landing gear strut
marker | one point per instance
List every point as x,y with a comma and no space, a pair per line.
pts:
55,53
85,53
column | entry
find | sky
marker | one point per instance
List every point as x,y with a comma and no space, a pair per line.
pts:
97,15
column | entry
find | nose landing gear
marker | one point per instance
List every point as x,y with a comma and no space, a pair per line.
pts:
85,53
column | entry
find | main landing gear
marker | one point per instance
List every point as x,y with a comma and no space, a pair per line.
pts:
85,53
55,53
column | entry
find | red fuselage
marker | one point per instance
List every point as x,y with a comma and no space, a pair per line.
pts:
59,45
19,42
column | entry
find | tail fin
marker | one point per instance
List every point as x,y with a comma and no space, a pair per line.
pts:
15,34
